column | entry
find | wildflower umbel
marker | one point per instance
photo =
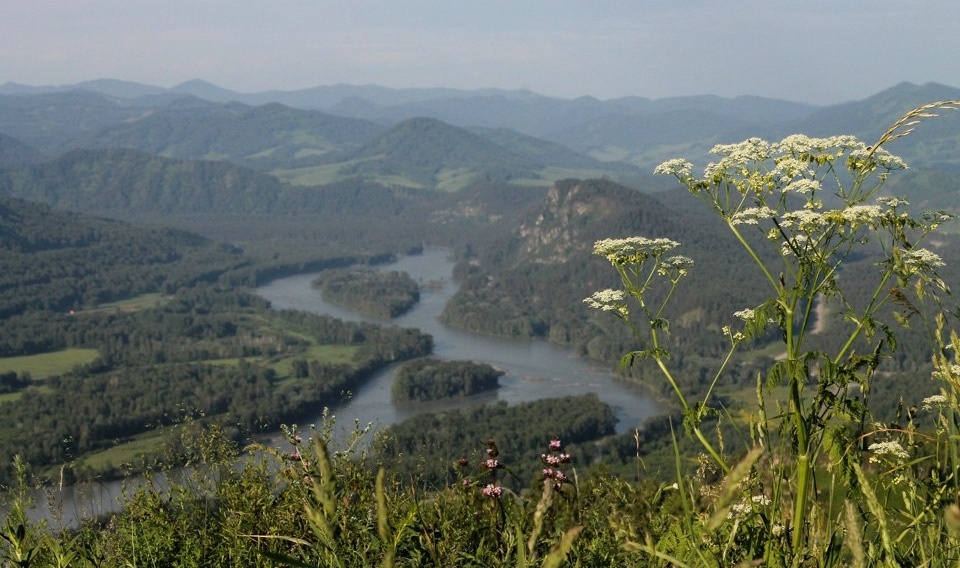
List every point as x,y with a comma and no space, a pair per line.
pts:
608,301
892,450
632,250
936,401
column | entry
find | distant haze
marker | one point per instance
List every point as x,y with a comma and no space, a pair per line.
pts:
816,51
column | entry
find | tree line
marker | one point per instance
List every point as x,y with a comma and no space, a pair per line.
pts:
434,379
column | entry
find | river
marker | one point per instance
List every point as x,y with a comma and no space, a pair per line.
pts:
534,369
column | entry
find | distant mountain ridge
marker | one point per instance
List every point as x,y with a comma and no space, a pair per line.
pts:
323,127
423,149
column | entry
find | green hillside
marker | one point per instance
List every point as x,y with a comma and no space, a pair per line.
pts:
267,137
15,153
427,152
58,261
51,122
121,182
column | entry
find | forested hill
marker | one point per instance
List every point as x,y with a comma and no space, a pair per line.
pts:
229,202
126,181
14,152
425,150
130,183
62,261
531,282
265,137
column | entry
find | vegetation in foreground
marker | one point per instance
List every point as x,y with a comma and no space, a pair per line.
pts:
806,478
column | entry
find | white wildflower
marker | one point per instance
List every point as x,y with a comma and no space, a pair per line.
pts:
742,508
798,242
608,301
745,314
750,150
632,249
678,262
844,142
867,160
802,186
795,144
789,168
892,449
738,510
752,216
888,161
760,500
803,219
818,150
934,402
675,266
922,258
892,202
675,167
861,214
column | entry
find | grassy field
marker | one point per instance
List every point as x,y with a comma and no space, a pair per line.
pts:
331,354
128,452
136,304
48,364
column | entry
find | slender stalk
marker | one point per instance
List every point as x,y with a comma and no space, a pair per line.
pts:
871,308
756,259
803,465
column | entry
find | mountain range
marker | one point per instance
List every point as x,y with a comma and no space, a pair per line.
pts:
493,176
318,127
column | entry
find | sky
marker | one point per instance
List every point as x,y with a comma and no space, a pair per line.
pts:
815,51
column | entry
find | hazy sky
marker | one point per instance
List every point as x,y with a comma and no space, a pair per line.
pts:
819,51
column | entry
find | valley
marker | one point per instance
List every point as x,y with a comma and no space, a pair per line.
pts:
516,187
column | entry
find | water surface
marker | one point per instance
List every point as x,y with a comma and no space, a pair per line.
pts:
534,369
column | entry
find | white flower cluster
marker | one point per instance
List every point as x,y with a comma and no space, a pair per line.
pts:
675,266
892,202
803,219
803,186
934,402
865,159
789,168
632,250
803,146
795,165
676,167
745,314
752,215
744,507
858,215
920,258
750,150
608,301
891,449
